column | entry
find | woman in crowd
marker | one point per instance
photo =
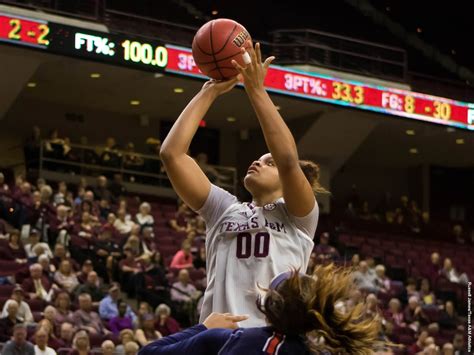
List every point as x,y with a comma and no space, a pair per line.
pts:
147,333
65,277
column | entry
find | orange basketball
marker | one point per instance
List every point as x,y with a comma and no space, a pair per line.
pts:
216,44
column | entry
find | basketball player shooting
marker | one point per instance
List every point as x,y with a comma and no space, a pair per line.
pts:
247,244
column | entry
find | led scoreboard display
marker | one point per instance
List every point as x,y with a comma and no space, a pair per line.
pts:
150,55
347,93
77,42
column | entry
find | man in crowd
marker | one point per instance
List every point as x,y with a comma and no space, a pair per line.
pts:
19,344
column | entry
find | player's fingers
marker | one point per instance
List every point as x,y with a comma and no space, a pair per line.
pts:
237,66
258,53
251,51
237,318
268,61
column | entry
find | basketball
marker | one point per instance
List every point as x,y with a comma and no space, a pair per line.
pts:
216,44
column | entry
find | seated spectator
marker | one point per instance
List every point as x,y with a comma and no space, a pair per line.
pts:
126,336
410,290
451,273
143,217
61,254
7,323
164,323
81,344
41,341
459,343
394,313
63,308
59,197
182,217
91,287
24,311
129,267
146,333
14,250
108,307
448,349
106,252
325,253
48,327
101,191
87,228
131,348
420,343
355,261
144,308
414,315
381,280
183,258
448,318
104,209
37,285
434,267
61,226
86,268
108,347
88,205
458,234
371,305
48,268
121,321
85,318
34,240
111,156
66,333
122,224
65,277
152,284
427,296
19,344
148,245
183,291
364,278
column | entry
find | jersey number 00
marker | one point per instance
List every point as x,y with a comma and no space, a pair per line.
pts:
261,245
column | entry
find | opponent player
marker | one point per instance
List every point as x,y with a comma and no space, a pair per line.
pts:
302,320
247,243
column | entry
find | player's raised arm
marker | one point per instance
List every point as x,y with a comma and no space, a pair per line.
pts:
297,191
187,178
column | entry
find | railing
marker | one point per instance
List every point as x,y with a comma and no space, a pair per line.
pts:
134,167
339,52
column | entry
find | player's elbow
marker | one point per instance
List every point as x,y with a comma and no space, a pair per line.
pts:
167,154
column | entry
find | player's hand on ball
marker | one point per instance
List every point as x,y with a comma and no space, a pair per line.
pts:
254,73
220,87
223,320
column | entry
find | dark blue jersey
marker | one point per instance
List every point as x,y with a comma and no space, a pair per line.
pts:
199,340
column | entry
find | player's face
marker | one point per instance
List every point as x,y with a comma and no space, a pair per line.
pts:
262,175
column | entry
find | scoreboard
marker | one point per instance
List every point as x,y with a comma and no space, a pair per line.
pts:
151,55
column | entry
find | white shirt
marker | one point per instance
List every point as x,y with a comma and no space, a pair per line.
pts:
46,351
24,312
46,248
246,247
143,219
123,227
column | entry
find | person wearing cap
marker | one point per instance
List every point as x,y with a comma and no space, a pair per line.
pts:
298,308
108,306
34,241
24,311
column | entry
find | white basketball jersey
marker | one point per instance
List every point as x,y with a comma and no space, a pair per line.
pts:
246,247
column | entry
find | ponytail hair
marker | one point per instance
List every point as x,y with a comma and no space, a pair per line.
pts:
306,306
311,171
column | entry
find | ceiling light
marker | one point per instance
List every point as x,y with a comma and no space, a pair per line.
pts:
419,30
178,90
410,132
231,119
134,102
413,151
214,12
460,141
31,84
95,75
